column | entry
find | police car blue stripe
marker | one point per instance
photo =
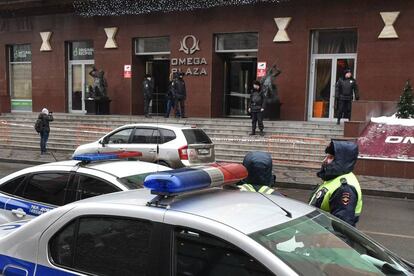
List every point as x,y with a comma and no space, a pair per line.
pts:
12,263
30,208
3,201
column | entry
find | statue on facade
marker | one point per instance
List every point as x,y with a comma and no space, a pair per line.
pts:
268,86
99,82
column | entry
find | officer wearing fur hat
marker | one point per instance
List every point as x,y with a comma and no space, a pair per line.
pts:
340,193
43,120
256,107
344,93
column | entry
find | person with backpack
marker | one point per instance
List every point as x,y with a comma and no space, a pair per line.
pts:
42,127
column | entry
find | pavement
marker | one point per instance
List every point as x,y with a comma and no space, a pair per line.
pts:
286,177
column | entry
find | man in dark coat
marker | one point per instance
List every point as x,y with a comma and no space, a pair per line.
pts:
256,107
344,93
340,193
171,94
180,94
148,89
45,117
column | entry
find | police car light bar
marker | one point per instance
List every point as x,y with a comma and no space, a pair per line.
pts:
178,181
90,157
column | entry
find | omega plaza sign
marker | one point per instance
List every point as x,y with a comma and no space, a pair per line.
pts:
189,65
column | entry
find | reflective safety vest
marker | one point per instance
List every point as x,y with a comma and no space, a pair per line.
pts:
250,188
327,189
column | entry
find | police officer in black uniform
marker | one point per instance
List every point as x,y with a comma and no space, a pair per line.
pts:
256,107
344,92
180,94
148,89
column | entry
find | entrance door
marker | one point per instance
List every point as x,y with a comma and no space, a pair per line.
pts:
159,70
325,72
79,82
239,76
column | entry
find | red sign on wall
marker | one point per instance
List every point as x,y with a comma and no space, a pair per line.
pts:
261,69
127,72
387,141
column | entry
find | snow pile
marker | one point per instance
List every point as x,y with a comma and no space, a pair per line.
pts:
392,120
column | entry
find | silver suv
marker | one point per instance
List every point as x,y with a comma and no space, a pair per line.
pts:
174,146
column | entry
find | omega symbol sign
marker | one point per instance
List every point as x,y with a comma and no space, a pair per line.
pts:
194,46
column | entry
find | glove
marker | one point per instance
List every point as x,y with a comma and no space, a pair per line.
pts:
261,109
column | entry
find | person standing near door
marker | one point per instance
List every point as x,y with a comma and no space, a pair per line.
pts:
148,89
344,93
180,94
256,107
44,118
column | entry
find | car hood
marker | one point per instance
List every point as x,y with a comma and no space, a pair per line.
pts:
8,228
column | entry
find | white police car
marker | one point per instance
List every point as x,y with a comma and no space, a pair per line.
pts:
35,190
189,230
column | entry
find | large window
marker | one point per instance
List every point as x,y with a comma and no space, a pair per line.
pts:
20,59
334,42
152,45
103,246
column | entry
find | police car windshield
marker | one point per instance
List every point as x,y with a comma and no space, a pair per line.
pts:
134,181
319,244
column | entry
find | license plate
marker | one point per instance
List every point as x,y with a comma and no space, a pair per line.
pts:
203,151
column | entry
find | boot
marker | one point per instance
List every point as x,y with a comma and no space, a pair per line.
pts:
261,133
252,133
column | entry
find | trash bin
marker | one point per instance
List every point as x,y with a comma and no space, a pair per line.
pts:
272,110
103,107
90,106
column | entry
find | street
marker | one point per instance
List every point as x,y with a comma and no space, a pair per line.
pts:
389,221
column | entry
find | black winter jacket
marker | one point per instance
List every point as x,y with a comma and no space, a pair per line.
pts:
345,89
45,121
257,100
147,88
180,90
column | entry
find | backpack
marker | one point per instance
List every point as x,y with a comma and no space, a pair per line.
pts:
38,125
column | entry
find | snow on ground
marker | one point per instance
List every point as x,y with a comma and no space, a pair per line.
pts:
393,120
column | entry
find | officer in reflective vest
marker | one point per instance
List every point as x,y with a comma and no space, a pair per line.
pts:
260,178
340,193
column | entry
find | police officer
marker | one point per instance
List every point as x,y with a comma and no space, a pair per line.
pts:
148,89
260,178
345,89
340,193
256,107
180,95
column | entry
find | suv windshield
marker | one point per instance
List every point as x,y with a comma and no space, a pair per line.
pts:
319,244
196,136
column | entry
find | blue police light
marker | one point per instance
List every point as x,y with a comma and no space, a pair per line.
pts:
189,179
90,157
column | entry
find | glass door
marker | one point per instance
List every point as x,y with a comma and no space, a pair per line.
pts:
325,72
79,82
159,70
238,83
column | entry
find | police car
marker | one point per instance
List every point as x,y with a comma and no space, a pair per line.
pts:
184,223
36,190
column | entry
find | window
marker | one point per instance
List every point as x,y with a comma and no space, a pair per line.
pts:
11,186
167,135
196,136
237,42
120,137
202,254
90,186
46,187
152,45
144,136
334,42
103,246
20,57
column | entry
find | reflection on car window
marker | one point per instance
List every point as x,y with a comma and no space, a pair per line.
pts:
198,253
134,181
142,136
103,246
11,186
90,186
196,136
46,187
319,244
120,137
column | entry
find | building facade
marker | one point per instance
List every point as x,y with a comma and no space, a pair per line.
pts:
47,55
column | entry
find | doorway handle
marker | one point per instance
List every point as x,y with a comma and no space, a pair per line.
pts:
152,151
18,213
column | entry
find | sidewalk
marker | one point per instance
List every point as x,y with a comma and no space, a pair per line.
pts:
295,178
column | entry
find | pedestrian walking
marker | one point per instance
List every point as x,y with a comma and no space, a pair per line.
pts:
345,89
256,107
260,173
340,193
180,95
43,128
148,89
171,94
